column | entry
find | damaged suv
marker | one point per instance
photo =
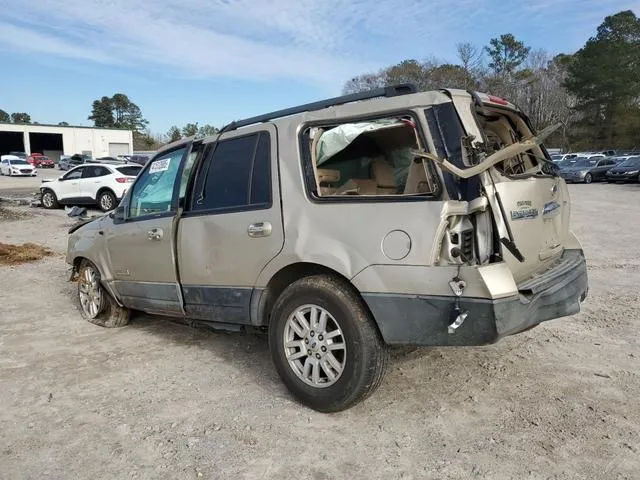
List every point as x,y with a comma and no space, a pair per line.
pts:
343,227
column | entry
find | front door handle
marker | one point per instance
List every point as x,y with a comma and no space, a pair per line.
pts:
260,229
155,234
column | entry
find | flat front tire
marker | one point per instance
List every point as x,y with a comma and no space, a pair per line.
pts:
325,345
96,305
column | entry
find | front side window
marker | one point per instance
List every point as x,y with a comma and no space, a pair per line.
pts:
74,174
368,158
186,172
236,175
153,191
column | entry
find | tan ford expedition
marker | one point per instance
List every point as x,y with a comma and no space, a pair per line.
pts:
343,227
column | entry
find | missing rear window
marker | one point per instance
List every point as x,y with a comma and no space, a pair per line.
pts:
369,159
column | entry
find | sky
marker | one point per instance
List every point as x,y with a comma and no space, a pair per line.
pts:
213,61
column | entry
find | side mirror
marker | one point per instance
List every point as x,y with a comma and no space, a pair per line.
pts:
117,214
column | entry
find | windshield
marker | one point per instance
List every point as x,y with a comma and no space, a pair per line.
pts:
556,157
631,162
18,162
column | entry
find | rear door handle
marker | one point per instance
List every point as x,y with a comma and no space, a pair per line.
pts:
155,234
259,229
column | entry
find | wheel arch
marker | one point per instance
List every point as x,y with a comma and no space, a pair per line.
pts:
263,300
101,190
76,262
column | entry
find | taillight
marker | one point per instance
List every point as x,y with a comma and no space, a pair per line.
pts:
498,100
124,179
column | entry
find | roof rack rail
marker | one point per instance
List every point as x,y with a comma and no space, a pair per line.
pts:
388,91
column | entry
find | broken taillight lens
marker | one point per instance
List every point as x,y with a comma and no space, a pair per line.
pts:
124,179
498,100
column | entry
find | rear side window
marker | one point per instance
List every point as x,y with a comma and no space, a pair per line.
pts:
92,171
129,171
236,175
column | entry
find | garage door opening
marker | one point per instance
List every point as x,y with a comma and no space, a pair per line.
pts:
116,149
49,144
11,142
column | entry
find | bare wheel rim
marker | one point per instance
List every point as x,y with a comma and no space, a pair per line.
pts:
90,292
314,346
106,201
47,199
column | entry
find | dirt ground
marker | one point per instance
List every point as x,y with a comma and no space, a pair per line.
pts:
158,399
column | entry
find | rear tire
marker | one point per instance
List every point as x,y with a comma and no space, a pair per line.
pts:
325,345
49,200
588,178
107,201
96,305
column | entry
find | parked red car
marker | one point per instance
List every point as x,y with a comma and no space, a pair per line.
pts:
40,161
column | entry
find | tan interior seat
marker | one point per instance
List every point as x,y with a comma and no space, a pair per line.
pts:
357,186
327,180
384,177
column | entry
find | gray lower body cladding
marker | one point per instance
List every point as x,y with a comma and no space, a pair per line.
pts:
424,320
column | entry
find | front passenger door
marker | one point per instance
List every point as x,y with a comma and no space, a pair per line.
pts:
68,187
141,247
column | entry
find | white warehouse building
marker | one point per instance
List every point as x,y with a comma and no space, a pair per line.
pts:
56,140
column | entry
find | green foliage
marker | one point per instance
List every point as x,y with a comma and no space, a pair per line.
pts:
4,116
117,112
20,117
102,113
145,141
506,54
174,134
604,76
207,130
190,130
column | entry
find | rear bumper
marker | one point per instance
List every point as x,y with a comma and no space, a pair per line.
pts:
423,320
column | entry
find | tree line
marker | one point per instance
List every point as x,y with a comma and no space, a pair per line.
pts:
594,92
22,118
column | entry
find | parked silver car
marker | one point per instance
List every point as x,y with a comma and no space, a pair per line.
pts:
343,227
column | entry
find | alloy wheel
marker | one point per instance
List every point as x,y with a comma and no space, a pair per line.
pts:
106,202
90,292
47,200
314,346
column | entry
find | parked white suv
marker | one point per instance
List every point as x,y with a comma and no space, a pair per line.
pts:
100,184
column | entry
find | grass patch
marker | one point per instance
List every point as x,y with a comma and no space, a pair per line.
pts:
17,254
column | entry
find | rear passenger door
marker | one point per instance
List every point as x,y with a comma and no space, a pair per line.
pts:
232,225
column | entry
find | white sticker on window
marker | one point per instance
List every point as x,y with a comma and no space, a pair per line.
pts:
159,165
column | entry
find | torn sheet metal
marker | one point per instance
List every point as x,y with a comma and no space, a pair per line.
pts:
500,156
